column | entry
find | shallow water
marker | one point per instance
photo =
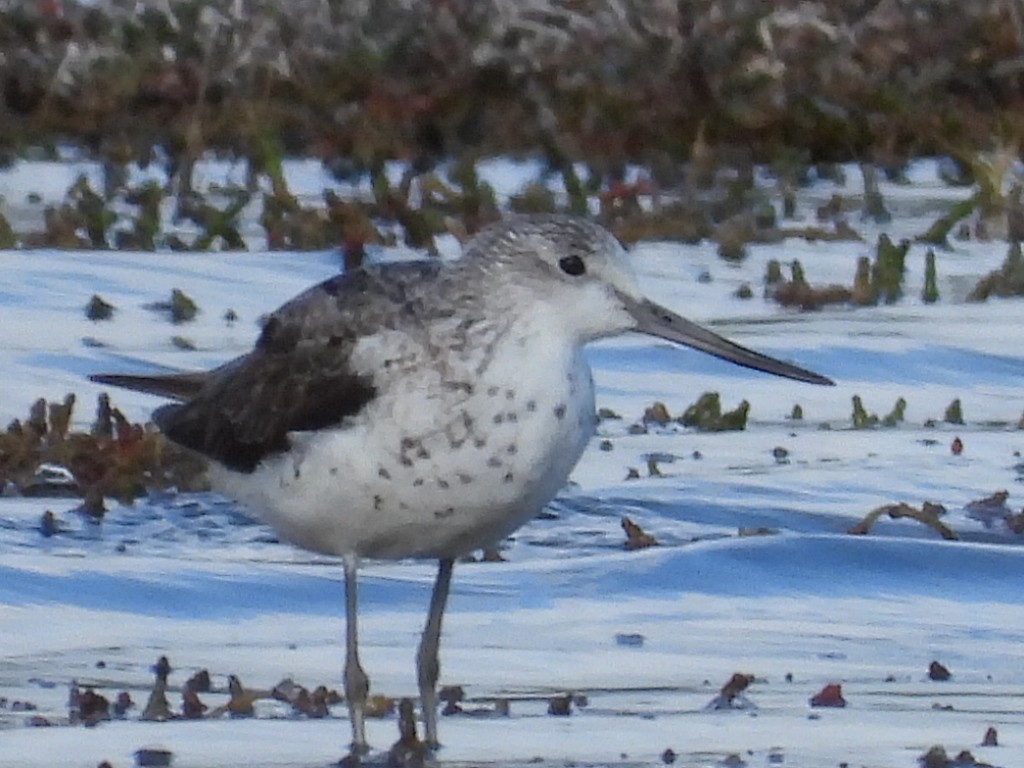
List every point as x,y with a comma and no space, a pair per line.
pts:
193,578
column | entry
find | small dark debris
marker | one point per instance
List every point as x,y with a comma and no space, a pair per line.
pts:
97,309
829,696
990,509
1007,281
379,706
452,696
928,514
560,706
492,555
122,704
861,418
157,708
965,759
191,706
184,344
657,414
93,506
706,415
896,415
936,757
153,757
636,538
180,308
242,701
939,672
629,639
731,694
92,708
199,682
1016,522
48,525
954,413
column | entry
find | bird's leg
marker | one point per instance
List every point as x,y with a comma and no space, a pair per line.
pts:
427,667
357,684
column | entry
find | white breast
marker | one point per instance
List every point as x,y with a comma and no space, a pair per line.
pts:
425,472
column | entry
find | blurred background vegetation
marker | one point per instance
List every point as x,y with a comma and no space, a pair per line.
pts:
677,89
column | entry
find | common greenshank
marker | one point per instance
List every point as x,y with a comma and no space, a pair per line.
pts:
424,409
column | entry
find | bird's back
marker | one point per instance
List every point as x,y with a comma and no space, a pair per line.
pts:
301,376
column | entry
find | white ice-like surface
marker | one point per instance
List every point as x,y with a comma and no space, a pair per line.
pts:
193,579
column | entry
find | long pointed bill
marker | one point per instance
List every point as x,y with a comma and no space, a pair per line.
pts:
656,320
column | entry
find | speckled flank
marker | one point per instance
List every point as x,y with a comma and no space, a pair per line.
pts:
464,398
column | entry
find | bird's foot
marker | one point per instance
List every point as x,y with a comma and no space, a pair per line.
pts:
355,756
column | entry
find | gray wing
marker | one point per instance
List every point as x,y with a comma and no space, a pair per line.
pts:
298,376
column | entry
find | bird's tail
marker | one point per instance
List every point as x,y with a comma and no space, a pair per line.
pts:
177,386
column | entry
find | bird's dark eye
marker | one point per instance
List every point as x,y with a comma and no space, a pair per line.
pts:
572,265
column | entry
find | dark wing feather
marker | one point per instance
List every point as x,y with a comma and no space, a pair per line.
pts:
298,377
242,418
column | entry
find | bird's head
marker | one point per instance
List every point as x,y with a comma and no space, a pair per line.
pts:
583,270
